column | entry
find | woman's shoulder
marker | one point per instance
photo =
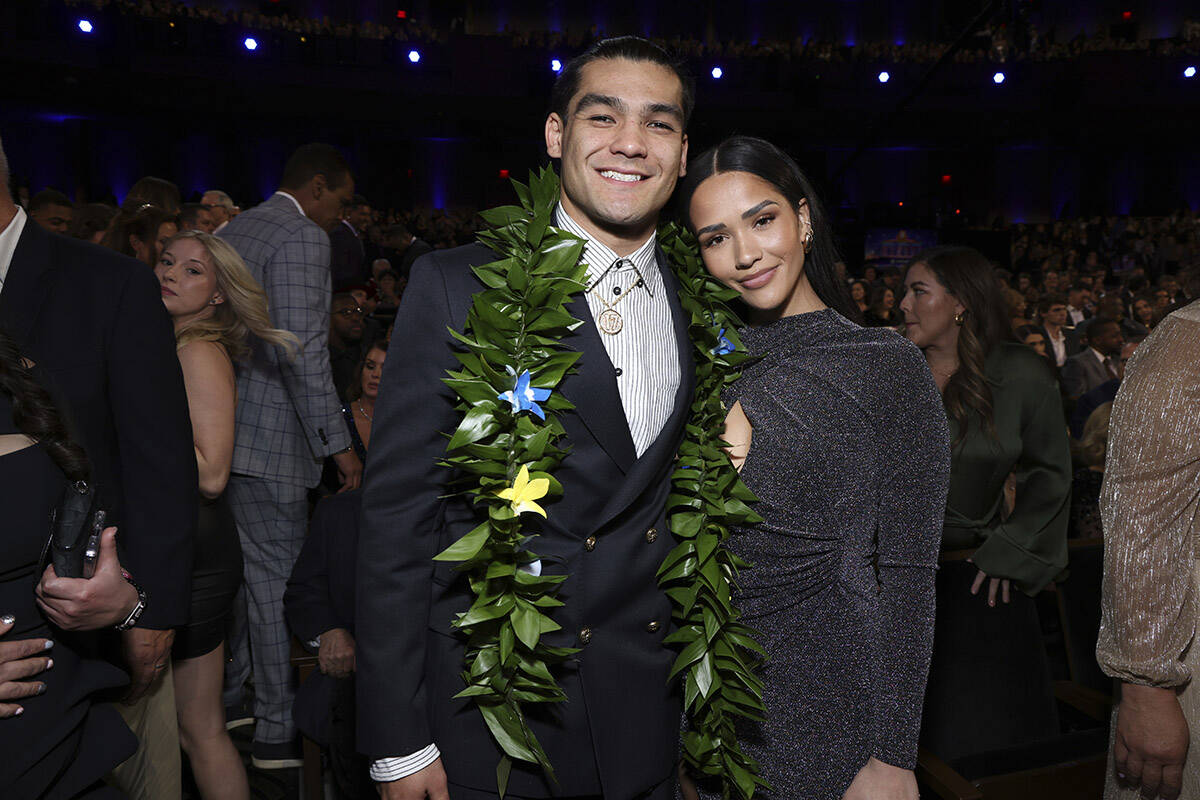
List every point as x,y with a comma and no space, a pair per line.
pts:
1011,362
206,356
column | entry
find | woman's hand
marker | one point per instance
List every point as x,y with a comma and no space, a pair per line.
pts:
994,584
880,781
89,603
19,661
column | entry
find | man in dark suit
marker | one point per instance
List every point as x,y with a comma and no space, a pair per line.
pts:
347,258
617,124
403,249
1097,363
93,323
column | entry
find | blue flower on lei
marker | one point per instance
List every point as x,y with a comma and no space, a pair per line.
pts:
523,397
724,346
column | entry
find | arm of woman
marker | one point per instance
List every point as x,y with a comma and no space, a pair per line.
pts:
914,447
212,399
1030,547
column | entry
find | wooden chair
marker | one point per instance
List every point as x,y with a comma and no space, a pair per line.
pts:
311,778
986,736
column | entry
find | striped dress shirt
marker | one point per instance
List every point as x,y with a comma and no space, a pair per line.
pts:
644,354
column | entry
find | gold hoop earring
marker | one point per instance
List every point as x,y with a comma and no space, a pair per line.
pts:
960,318
808,240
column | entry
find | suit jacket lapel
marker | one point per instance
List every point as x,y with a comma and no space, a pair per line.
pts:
593,389
642,474
30,276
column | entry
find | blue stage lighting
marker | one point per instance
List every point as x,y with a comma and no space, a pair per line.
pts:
555,65
414,56
998,78
884,77
717,72
1189,72
250,43
86,26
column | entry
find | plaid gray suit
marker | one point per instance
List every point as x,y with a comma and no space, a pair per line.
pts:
288,420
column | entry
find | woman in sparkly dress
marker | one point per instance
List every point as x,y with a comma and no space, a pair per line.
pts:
839,431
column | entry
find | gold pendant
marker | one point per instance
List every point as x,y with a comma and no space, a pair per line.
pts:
610,321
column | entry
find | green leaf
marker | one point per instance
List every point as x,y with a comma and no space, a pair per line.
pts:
479,422
503,215
502,770
505,726
467,547
526,625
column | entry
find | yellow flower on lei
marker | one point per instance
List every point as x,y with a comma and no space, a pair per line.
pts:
524,492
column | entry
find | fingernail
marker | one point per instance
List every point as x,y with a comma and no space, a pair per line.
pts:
49,663
49,644
8,619
41,689
20,710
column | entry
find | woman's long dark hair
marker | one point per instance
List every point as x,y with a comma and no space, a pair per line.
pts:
762,159
34,413
967,275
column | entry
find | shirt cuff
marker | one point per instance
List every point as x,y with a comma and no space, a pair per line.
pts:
393,769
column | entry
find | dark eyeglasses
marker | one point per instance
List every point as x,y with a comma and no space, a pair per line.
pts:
351,312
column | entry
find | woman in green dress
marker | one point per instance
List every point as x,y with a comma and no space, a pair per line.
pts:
1006,419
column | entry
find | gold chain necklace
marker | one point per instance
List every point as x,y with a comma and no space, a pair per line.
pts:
610,320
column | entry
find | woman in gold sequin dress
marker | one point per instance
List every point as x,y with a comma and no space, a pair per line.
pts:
1150,504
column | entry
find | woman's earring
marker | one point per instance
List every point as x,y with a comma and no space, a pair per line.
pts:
960,318
808,240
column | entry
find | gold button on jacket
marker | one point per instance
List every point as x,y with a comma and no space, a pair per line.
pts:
652,626
589,543
651,535
585,635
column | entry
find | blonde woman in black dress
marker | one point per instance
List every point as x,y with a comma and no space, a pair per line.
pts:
839,431
215,304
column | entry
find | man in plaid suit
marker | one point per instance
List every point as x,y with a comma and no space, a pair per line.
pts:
288,420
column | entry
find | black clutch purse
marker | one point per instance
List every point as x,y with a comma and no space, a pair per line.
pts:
75,527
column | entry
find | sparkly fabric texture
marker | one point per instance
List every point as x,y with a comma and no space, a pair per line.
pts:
1150,505
850,459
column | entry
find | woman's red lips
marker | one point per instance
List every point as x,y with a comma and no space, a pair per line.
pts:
167,292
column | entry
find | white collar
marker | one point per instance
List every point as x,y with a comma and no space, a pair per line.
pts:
8,243
1099,356
295,202
600,257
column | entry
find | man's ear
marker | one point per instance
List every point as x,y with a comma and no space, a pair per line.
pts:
555,127
317,185
135,242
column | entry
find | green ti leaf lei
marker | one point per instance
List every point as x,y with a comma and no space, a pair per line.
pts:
505,451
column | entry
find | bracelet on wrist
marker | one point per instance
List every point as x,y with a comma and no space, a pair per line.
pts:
136,613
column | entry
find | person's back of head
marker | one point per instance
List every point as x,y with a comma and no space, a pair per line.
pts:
90,221
318,177
196,217
153,191
141,224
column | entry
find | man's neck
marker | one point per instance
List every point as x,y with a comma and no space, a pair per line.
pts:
1052,329
622,241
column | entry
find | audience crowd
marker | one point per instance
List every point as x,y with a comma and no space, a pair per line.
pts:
1080,293
998,43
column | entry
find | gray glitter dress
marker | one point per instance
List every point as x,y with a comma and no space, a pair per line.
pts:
850,459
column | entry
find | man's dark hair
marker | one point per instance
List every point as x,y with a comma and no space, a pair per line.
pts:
631,48
314,159
1048,300
342,296
190,214
49,197
358,201
397,230
1099,325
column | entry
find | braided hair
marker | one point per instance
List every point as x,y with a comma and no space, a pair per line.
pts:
34,413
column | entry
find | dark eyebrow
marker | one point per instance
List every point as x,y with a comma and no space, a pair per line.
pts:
751,212
710,228
665,108
594,99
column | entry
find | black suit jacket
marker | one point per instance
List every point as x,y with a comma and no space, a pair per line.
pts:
346,257
618,733
93,322
320,597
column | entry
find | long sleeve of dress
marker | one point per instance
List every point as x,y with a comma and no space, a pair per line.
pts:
1030,547
1150,504
912,503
